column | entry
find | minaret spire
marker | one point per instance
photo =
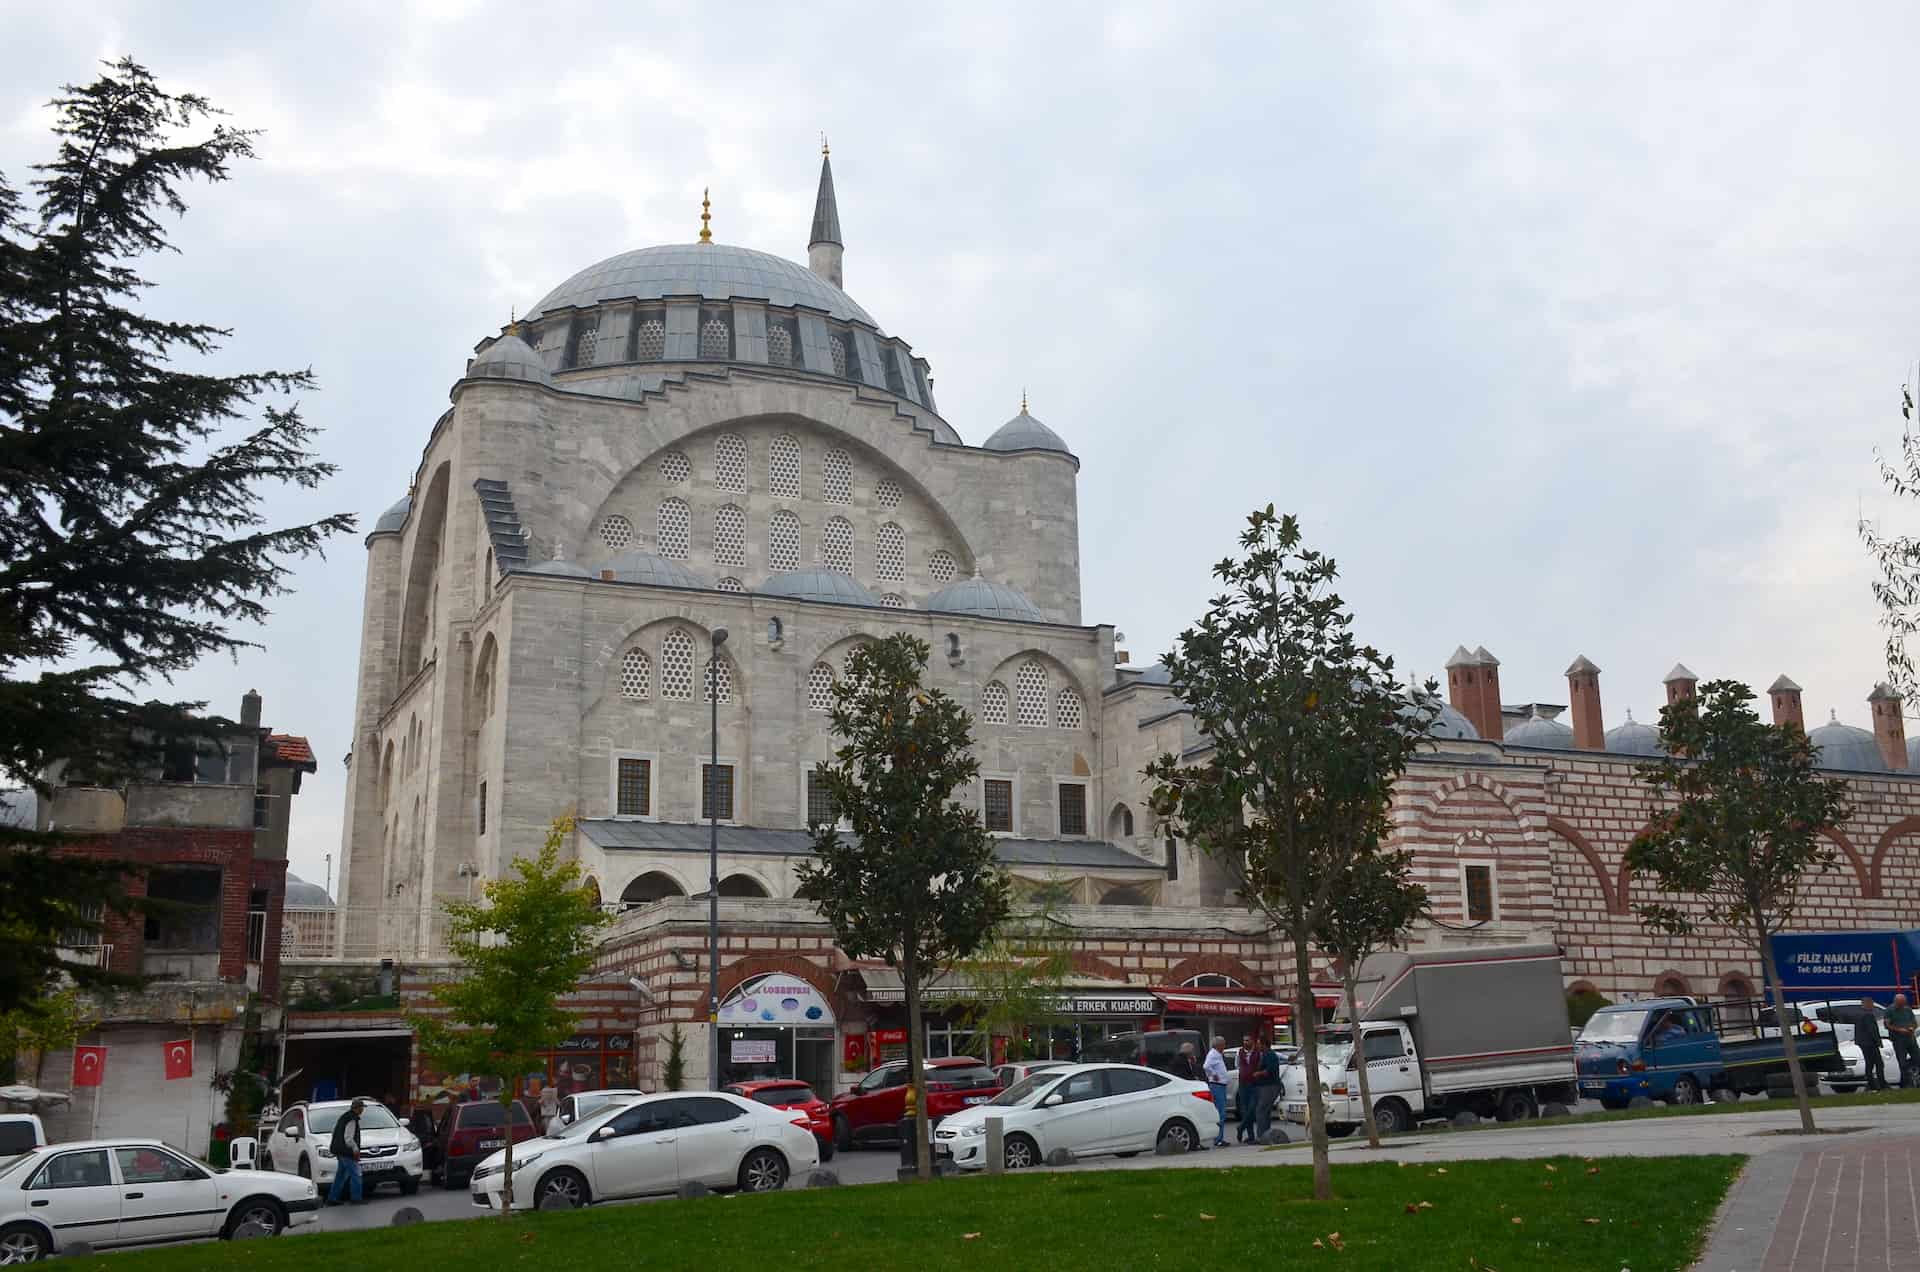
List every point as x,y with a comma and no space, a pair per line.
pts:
706,215
824,249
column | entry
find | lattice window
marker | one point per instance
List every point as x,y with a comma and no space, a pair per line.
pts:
719,682
650,345
838,345
820,688
729,462
893,600
820,809
634,796
729,536
783,542
1066,709
674,467
887,495
586,346
676,666
993,703
716,792
783,468
616,531
731,585
836,477
836,545
999,805
779,346
1031,687
676,529
636,674
890,553
941,566
714,341
1073,808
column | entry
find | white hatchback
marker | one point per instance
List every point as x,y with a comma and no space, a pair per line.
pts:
132,1192
1087,1109
654,1145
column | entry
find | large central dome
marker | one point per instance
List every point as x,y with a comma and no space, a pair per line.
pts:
710,270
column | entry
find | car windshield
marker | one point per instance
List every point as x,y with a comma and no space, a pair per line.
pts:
1335,1050
1613,1026
1025,1090
963,1075
783,1095
372,1118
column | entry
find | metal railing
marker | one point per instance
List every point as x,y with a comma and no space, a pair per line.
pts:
358,933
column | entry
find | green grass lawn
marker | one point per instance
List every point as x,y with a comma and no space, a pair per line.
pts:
1560,1214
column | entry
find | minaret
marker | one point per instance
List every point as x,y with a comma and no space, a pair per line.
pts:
823,251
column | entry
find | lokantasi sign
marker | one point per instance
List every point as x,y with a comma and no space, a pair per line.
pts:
180,1059
89,1066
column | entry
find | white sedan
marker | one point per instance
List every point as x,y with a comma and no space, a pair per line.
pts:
131,1192
654,1145
1088,1109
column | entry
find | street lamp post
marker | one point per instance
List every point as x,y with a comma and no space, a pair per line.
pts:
719,638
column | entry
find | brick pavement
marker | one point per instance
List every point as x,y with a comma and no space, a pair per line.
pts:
1845,1202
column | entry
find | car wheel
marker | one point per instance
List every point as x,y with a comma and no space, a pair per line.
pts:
1180,1133
842,1133
265,1211
23,1243
1515,1106
266,1162
826,1150
306,1167
1392,1117
568,1185
763,1171
1019,1152
1340,1132
409,1185
1685,1091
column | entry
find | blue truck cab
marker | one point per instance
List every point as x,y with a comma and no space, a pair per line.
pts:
1678,1050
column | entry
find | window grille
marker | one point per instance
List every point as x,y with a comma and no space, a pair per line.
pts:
585,347
783,468
650,345
676,525
729,462
636,674
820,688
999,805
890,553
731,585
836,545
993,703
887,494
676,666
941,566
1073,808
836,477
616,532
1479,894
715,340
716,791
729,536
893,600
719,682
783,542
674,467
1066,711
635,789
1031,686
779,346
838,346
820,810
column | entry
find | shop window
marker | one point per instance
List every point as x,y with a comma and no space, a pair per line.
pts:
1073,808
716,792
1479,893
999,805
634,789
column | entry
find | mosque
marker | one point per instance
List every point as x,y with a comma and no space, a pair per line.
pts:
661,509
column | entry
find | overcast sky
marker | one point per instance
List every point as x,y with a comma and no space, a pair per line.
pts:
1564,331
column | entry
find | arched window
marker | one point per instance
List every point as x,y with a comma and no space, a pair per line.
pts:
1211,980
676,666
779,345
890,553
783,468
886,494
893,600
993,703
783,542
838,345
636,674
1672,985
675,467
1066,710
483,694
742,885
650,887
729,536
650,344
616,531
940,565
1030,684
676,529
730,584
836,477
1120,822
586,343
836,545
715,340
719,682
730,462
820,688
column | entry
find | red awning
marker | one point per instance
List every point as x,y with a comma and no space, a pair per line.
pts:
1184,1003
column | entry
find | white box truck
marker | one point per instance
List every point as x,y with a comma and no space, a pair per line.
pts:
1444,1032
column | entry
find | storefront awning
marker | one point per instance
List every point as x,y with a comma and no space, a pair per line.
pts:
885,986
1077,996
1182,1003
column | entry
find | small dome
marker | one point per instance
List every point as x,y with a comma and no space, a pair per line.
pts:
1450,723
830,586
1841,746
394,519
560,568
1550,735
309,895
1023,432
982,599
645,567
509,358
1635,738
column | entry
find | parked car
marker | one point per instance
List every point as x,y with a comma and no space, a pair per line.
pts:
1852,1075
1153,1048
1676,1050
873,1109
20,1132
794,1096
301,1144
1088,1109
586,1103
474,1130
1008,1074
119,1192
654,1145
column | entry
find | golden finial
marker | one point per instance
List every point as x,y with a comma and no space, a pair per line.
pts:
1023,401
706,215
823,145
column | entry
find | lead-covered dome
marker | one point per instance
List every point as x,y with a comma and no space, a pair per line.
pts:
830,586
509,358
394,519
982,599
1635,738
648,568
1842,746
1538,731
714,271
1023,432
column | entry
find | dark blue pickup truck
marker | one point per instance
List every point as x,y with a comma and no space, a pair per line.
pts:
1679,1050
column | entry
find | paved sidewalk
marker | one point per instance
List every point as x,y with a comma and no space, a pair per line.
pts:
1844,1201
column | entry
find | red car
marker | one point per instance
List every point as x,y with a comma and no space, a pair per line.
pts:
873,1109
794,1096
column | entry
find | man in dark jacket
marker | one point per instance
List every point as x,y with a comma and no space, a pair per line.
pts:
1249,1072
1267,1085
346,1155
1866,1036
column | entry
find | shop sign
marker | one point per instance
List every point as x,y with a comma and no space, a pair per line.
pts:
1107,1005
619,1042
776,999
754,1051
581,1042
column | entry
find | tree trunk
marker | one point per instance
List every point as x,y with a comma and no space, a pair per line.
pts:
1304,1020
1789,1043
916,1069
506,1106
1352,981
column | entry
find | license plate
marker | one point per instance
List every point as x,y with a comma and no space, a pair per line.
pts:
499,1143
976,1099
1593,1086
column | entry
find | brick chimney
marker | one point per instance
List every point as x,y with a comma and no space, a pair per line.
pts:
1786,703
250,708
1680,683
1889,730
1495,727
1583,687
1473,689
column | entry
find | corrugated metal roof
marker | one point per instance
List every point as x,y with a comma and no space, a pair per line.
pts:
651,836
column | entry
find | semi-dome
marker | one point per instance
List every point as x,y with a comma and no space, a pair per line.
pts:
394,519
1635,738
982,599
713,271
651,569
509,358
1842,746
1450,722
308,895
1538,731
819,585
1023,432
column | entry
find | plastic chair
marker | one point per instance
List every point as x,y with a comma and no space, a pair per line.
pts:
243,1152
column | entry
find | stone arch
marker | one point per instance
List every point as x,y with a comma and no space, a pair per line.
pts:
1614,898
1735,984
1120,822
486,670
1480,781
591,886
792,964
605,660
1093,965
1059,675
1869,884
743,884
1672,984
1905,826
1582,986
423,568
650,886
1218,965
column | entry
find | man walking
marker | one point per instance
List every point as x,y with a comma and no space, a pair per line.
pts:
1866,1036
1215,1068
1269,1092
1249,1071
346,1155
1900,1026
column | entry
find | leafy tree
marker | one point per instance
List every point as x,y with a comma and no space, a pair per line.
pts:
675,1075
527,944
1014,984
1374,907
916,883
1309,729
1741,834
1898,558
132,542
49,1023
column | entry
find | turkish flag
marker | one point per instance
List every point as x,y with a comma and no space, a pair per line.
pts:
180,1059
89,1066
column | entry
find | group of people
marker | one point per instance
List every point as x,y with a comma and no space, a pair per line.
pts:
1900,1024
1259,1085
